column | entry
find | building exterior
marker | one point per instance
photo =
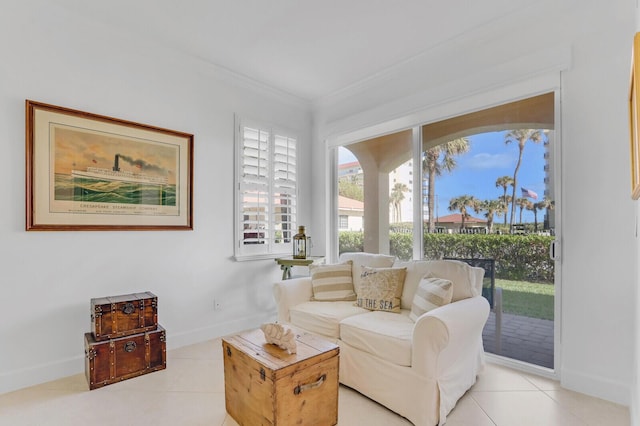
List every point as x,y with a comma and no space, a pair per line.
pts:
450,224
403,176
350,214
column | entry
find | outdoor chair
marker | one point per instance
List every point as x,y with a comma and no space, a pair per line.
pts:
489,292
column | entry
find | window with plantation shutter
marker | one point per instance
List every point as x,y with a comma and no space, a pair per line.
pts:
266,198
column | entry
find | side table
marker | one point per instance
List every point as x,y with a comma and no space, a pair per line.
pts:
288,262
266,385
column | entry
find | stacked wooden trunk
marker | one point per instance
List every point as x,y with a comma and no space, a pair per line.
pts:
125,340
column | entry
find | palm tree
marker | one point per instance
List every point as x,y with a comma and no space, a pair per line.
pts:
491,208
461,204
521,136
437,160
395,199
534,208
503,182
524,204
504,206
545,203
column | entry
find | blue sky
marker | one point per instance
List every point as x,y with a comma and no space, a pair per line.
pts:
487,159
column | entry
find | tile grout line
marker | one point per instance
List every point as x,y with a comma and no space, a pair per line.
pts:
483,410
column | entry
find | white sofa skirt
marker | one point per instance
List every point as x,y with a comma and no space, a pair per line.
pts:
418,395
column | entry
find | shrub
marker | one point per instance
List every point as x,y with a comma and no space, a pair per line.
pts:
351,241
401,245
518,257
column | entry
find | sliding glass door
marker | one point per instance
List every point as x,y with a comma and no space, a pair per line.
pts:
484,185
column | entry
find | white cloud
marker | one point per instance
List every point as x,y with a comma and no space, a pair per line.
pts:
491,161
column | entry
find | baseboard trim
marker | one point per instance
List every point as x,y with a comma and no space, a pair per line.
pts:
41,373
602,388
19,379
178,340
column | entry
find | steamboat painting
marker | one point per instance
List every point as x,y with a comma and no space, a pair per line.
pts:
87,171
103,171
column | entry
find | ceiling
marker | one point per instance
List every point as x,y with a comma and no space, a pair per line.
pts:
310,49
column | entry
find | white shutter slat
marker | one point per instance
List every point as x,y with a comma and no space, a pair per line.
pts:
254,187
267,191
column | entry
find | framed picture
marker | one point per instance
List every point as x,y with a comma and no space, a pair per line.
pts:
634,118
90,172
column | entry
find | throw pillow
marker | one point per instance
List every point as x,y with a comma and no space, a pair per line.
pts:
372,260
459,273
381,288
332,282
431,293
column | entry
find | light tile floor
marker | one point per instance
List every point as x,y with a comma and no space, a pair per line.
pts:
191,392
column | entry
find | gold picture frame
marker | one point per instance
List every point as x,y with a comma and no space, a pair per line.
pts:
634,118
91,172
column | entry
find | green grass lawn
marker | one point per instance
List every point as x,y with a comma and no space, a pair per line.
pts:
533,300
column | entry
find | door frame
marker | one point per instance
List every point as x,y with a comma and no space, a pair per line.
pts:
540,84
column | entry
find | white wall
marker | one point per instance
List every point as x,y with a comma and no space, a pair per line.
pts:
587,47
51,55
635,385
599,258
634,406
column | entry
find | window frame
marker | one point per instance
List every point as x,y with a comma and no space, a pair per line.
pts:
343,219
269,249
545,83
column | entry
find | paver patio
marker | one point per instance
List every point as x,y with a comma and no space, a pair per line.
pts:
522,338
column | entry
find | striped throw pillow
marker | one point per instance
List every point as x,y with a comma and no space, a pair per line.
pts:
332,282
430,294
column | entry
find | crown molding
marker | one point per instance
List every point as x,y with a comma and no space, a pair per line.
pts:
488,87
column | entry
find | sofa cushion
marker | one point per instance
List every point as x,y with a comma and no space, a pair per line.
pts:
463,277
323,317
383,334
332,282
366,259
381,288
461,274
431,294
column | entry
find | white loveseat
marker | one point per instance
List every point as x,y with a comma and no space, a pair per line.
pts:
417,369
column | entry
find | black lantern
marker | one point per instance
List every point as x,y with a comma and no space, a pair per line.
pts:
300,244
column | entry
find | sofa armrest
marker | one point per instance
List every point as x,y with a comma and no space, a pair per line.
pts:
289,293
444,334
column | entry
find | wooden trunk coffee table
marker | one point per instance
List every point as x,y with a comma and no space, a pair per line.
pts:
266,385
